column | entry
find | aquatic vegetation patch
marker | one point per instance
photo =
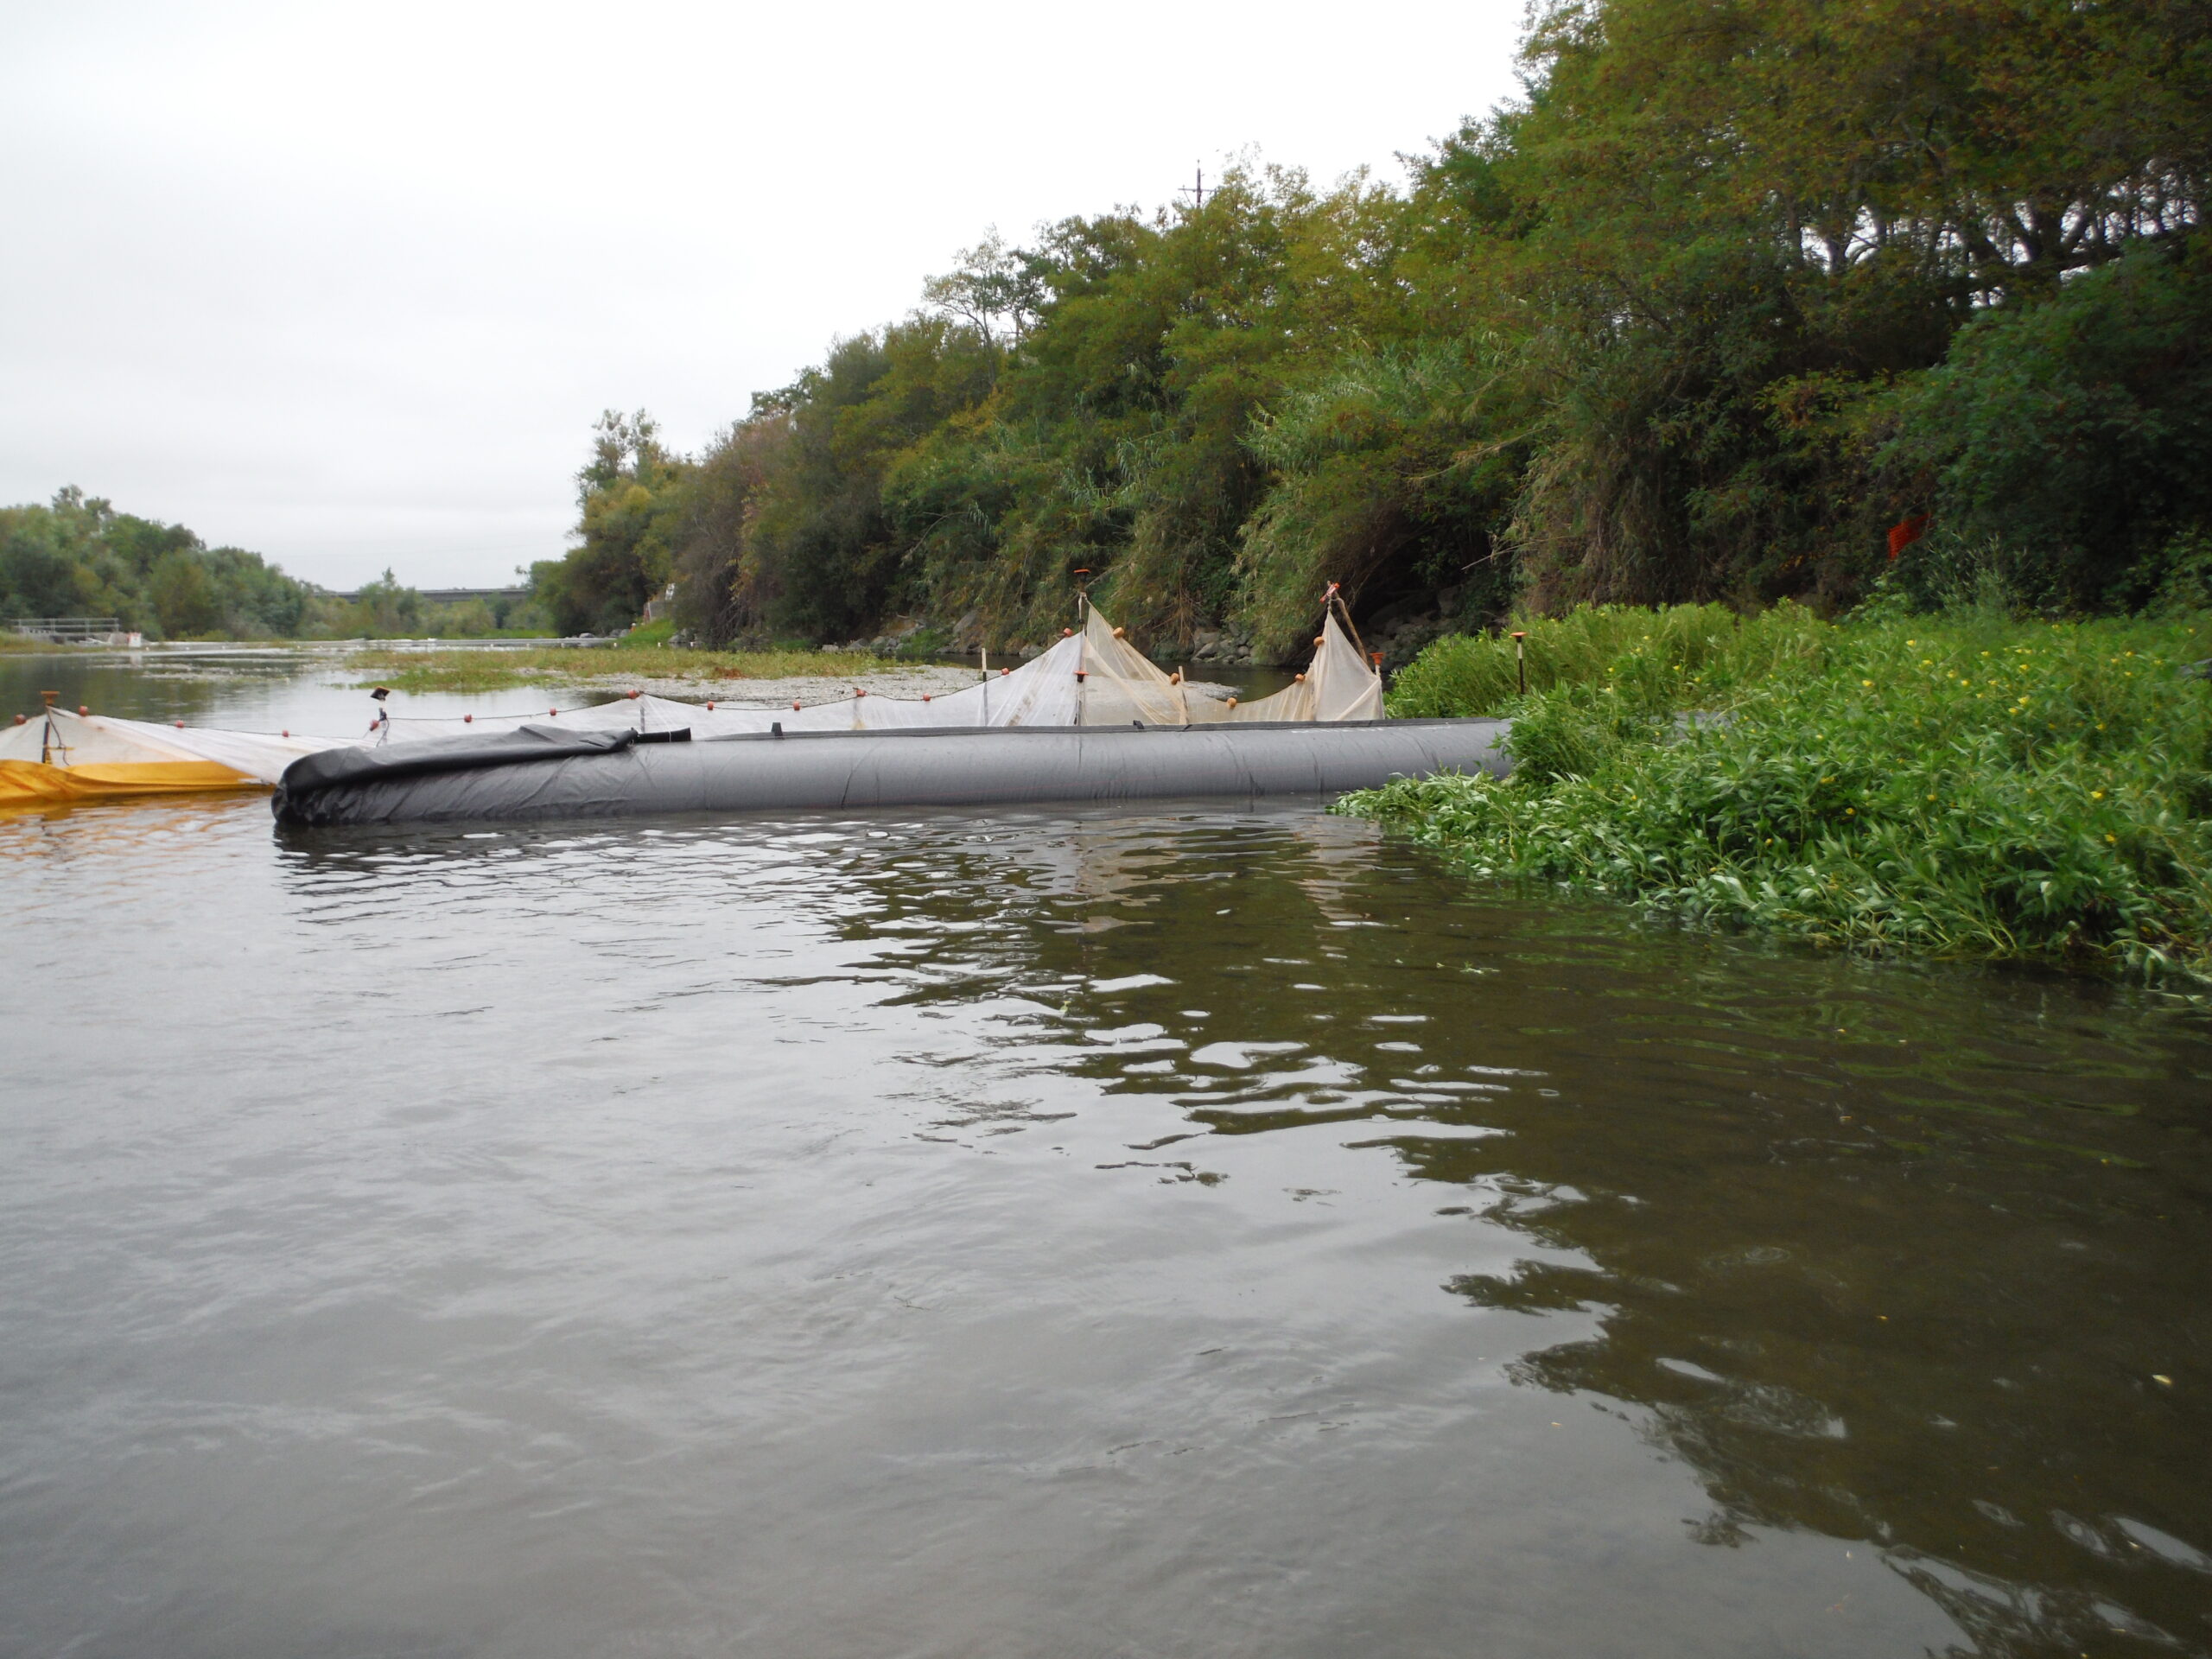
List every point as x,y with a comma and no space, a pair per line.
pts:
495,670
1963,785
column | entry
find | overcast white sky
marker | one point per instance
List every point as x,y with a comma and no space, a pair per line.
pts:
348,284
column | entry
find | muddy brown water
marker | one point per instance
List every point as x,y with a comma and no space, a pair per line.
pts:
1184,1232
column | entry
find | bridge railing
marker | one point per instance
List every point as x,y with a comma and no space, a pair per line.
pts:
64,628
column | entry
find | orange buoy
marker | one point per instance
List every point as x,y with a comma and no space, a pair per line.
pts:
633,696
1232,703
1121,633
1301,678
552,711
925,696
83,709
468,720
20,720
180,725
794,705
1067,634
710,708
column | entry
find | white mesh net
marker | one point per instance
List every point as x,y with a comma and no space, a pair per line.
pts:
1093,677
60,738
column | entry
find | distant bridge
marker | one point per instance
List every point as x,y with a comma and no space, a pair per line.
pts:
454,595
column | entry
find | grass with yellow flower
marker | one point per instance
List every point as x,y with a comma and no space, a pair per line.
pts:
1960,784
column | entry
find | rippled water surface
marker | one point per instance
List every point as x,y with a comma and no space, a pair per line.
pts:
1194,1233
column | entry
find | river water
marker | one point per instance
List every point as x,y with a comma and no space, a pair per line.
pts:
1181,1232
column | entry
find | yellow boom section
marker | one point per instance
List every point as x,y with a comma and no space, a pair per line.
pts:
35,783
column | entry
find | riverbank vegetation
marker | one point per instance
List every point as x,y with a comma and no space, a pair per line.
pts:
387,609
1732,291
79,558
1961,784
480,669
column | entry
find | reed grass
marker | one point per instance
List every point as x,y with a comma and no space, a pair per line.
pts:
1963,785
495,670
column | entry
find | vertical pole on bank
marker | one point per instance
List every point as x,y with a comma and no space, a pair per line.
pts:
1520,661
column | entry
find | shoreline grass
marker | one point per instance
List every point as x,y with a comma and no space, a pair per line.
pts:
1959,786
495,670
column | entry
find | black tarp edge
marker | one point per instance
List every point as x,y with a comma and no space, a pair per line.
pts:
329,767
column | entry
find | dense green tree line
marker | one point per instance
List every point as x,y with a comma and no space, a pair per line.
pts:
1734,287
78,557
81,557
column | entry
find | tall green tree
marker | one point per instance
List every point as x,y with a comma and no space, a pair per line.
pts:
630,500
823,558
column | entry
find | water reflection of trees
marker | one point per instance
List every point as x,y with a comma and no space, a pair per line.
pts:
1978,1433
1949,1352
1890,1255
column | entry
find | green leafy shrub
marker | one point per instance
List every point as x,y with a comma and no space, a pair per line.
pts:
1962,784
2069,436
1681,656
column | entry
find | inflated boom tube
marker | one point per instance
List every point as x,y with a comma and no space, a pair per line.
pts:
543,772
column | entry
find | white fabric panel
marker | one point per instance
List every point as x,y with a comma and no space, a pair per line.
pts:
1041,692
1346,686
1338,685
257,755
1293,702
24,743
69,739
1121,683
